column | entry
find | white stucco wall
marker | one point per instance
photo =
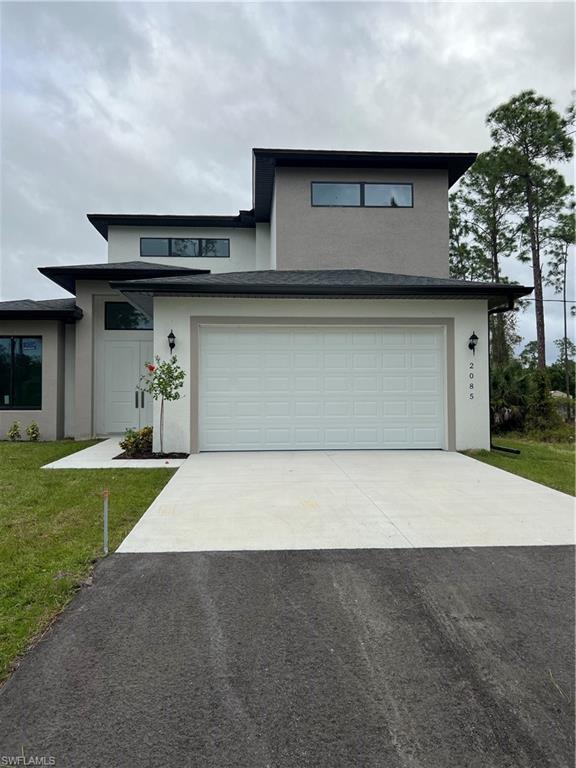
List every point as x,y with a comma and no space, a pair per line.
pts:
69,378
124,245
263,246
472,416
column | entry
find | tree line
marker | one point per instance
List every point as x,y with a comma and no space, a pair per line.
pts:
515,203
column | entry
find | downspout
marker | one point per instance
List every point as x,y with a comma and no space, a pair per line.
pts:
496,311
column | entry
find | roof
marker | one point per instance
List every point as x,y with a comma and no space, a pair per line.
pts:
356,283
265,162
102,221
66,276
53,309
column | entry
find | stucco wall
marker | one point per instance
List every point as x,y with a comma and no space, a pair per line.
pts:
411,241
472,429
124,245
50,418
69,374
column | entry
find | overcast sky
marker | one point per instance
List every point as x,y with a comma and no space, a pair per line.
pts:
131,107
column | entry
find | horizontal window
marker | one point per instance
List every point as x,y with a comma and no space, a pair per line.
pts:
20,372
122,316
361,195
388,195
154,246
186,247
336,194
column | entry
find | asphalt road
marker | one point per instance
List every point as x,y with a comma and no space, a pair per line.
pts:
436,658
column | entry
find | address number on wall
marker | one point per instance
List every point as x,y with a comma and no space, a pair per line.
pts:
471,377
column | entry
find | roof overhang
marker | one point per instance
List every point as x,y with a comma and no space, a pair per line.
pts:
102,221
496,294
265,162
64,315
66,276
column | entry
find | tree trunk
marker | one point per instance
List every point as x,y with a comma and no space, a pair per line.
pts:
537,273
500,354
566,371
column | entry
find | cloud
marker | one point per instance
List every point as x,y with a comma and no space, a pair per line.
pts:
153,107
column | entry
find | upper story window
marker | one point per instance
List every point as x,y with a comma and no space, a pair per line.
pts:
21,372
122,316
361,195
186,247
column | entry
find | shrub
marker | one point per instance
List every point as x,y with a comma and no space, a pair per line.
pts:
509,396
14,433
146,434
33,432
564,433
137,442
542,414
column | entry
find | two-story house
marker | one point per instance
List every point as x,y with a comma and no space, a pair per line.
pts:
323,318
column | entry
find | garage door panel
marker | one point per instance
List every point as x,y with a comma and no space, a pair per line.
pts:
277,410
395,408
307,409
365,408
336,360
395,384
427,361
301,388
367,361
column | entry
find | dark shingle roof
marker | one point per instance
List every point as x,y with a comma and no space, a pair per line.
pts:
66,276
57,309
335,282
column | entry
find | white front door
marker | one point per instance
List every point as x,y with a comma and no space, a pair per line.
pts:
124,406
282,388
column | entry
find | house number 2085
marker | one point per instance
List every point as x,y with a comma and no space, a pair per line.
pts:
471,381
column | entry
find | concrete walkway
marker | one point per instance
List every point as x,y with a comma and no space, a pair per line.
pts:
101,456
348,500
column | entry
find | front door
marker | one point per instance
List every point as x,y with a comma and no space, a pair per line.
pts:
124,405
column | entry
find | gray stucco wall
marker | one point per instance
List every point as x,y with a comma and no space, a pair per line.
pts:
50,418
410,241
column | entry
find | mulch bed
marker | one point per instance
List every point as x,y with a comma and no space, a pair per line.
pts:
153,456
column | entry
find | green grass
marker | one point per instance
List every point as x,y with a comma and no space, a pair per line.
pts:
51,532
551,464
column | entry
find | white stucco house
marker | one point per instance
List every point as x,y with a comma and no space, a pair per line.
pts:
323,318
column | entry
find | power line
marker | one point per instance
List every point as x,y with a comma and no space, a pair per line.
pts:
568,301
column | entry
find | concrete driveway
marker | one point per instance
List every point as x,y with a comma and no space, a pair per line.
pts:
348,500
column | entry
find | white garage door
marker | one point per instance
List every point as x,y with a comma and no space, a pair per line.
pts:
317,387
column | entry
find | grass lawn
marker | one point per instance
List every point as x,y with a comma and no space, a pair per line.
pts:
51,532
551,464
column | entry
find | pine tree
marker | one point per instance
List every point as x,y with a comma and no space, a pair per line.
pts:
531,134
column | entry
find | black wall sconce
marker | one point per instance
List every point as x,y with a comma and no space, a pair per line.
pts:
171,341
472,342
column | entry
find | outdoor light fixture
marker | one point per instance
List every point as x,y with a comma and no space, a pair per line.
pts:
472,341
171,340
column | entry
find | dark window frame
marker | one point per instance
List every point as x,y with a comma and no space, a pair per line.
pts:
362,185
120,330
13,407
172,255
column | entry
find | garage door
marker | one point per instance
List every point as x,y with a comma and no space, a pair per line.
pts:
311,387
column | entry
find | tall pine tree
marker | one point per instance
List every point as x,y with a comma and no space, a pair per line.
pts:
531,134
